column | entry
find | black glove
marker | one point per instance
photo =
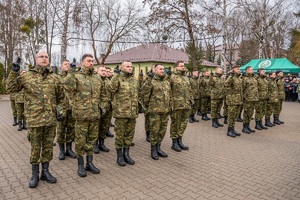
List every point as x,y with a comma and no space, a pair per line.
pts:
60,118
73,64
141,73
117,70
150,74
16,67
169,72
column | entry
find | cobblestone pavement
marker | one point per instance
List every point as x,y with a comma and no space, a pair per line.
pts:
263,165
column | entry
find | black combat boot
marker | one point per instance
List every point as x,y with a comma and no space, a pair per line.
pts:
236,133
214,123
209,111
181,145
148,136
218,123
69,151
175,145
24,125
127,158
33,183
20,125
96,147
239,119
225,120
120,158
276,121
46,176
245,129
90,166
230,132
194,119
262,126
61,155
281,122
257,125
204,117
81,170
208,118
191,119
109,134
102,147
268,123
15,121
251,130
160,153
220,116
199,112
154,155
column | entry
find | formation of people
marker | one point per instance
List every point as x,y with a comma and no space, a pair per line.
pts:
77,106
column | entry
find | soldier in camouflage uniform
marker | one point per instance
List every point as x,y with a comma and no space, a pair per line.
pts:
65,130
281,97
12,97
216,95
109,75
261,105
250,95
43,93
272,98
181,101
19,100
83,88
234,99
156,99
105,106
204,87
195,90
124,87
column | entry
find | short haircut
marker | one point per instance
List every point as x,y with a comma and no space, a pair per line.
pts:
278,71
178,62
86,55
248,67
107,68
271,73
219,68
64,60
156,65
100,66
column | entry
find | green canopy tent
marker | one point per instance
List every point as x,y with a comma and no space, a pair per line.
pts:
272,65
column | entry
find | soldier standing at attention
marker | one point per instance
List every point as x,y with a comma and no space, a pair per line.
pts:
216,95
19,100
65,130
109,75
84,89
181,101
281,97
42,91
156,98
261,105
234,99
250,96
195,90
204,86
272,98
124,87
12,97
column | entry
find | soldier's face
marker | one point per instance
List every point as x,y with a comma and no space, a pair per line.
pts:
107,72
101,71
180,67
160,70
273,75
195,73
250,70
237,70
206,73
88,62
42,59
280,74
127,67
262,72
219,71
65,66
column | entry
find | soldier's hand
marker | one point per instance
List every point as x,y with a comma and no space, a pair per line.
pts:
169,72
141,73
150,74
16,67
60,118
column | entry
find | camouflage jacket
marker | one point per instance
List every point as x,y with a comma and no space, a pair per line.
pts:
280,85
272,91
124,87
204,86
43,93
105,97
181,91
84,90
262,87
67,101
195,87
234,90
19,98
156,95
250,88
217,87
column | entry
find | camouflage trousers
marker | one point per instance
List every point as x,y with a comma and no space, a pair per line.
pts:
13,108
216,105
260,110
225,109
104,124
249,107
199,104
86,133
41,140
204,105
147,122
278,108
270,109
195,106
179,120
124,129
65,129
20,111
233,113
158,127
